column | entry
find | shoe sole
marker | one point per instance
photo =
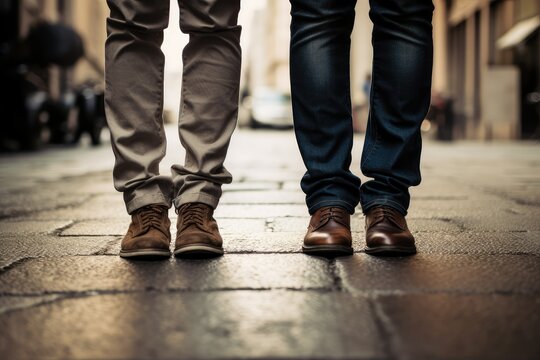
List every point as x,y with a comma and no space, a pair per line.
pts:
198,251
390,251
145,254
328,250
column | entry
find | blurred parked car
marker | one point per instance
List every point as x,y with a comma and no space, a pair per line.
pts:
266,108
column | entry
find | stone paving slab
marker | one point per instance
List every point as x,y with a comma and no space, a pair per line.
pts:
216,325
111,207
472,292
118,227
509,222
427,242
11,228
250,186
14,303
485,221
93,183
255,242
264,174
15,248
433,187
111,273
19,204
516,274
260,211
513,243
461,326
286,224
493,203
478,243
90,210
479,207
263,197
266,242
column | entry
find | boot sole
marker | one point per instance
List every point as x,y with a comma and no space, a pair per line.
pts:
328,250
390,251
198,251
145,253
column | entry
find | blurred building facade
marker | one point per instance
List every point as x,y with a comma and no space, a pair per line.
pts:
487,63
267,61
86,17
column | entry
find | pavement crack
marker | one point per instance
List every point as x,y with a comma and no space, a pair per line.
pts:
269,224
58,231
107,249
389,337
29,211
458,224
337,281
42,300
153,289
11,265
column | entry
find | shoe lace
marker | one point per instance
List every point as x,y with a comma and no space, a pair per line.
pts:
384,213
193,214
331,213
151,217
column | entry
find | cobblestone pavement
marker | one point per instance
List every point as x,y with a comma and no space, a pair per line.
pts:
472,292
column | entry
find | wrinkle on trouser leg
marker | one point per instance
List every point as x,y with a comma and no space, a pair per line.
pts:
134,99
400,97
209,104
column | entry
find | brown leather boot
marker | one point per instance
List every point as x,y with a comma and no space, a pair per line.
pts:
387,233
148,234
329,233
197,232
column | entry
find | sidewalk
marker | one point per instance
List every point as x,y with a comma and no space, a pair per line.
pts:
473,290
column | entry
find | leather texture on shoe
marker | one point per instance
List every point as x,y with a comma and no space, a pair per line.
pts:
148,233
387,232
329,231
197,230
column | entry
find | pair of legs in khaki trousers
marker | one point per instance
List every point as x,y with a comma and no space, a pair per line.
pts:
209,106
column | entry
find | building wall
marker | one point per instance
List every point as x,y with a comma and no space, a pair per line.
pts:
477,75
88,18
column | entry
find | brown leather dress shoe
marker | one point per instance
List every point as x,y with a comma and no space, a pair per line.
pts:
329,233
148,234
197,232
387,233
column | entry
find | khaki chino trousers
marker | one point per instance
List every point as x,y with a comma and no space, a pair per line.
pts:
134,66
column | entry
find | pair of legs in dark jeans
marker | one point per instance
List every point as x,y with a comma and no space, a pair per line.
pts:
400,97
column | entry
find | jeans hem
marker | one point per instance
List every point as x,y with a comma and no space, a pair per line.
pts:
148,199
199,197
384,202
340,203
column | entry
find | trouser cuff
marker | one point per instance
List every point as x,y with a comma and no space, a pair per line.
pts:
199,197
384,202
338,203
148,199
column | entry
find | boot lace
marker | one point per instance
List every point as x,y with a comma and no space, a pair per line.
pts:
151,217
193,214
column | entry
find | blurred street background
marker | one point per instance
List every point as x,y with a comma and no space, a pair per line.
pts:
473,291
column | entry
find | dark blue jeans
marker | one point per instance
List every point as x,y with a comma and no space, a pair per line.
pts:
400,96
